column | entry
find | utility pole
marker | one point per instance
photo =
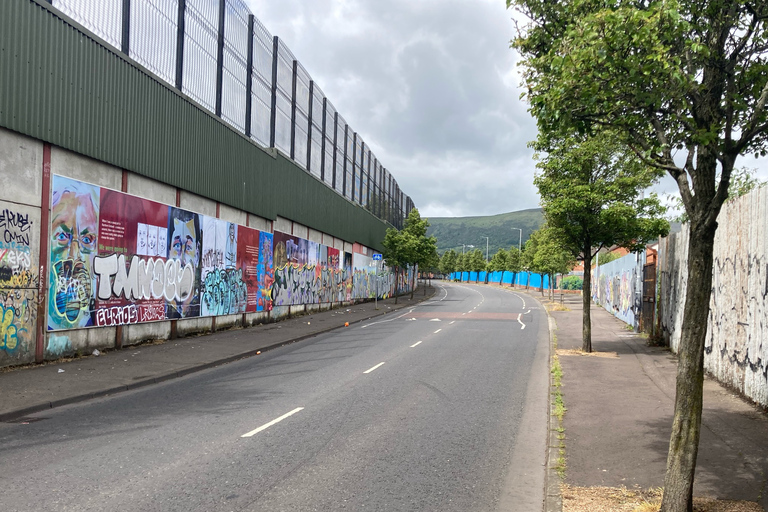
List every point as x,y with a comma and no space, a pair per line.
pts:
487,239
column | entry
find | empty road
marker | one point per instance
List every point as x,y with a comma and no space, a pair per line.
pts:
439,407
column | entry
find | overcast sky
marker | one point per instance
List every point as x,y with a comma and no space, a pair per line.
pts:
432,87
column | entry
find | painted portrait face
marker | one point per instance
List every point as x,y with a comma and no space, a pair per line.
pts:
141,239
162,241
152,240
183,242
74,243
74,227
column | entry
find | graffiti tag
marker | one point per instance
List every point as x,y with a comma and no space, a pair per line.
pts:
146,279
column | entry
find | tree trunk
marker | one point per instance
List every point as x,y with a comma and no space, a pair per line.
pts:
686,426
586,302
397,282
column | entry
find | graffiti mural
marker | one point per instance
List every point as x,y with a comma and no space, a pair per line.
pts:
735,349
617,286
119,259
74,245
18,286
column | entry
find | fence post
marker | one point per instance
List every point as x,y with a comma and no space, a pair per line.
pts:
344,172
249,82
273,112
220,57
293,109
322,146
354,164
180,23
125,45
309,124
335,145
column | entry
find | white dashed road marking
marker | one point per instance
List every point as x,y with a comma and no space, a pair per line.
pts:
277,420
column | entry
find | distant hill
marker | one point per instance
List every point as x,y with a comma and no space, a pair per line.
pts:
451,232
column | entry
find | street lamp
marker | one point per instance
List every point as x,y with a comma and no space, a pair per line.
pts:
520,240
486,247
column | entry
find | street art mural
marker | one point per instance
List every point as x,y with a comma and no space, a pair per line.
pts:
307,272
617,286
119,259
310,273
18,286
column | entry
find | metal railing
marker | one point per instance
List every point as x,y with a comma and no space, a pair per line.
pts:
218,54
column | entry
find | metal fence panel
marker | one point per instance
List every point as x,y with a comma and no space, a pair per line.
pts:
153,35
235,65
102,17
200,43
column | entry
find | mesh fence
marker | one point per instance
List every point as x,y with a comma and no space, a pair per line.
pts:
184,44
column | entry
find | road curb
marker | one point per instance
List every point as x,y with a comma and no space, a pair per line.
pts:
20,413
553,501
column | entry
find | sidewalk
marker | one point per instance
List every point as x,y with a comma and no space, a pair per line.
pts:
619,416
37,388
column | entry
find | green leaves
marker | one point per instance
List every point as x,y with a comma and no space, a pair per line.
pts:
589,189
411,246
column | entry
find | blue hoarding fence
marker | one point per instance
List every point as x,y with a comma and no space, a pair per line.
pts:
526,279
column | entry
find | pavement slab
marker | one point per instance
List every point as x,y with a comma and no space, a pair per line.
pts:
619,415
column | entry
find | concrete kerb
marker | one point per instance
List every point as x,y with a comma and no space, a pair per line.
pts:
20,413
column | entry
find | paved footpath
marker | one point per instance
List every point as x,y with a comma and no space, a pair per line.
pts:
37,388
619,416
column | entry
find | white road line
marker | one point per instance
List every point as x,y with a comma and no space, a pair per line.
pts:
370,370
267,425
452,322
437,331
385,321
416,344
470,311
521,322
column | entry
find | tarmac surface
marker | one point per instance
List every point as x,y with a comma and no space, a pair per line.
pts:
620,409
619,402
36,388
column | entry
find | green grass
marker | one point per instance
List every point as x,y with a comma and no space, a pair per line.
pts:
559,410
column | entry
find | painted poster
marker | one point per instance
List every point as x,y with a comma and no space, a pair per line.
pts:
223,290
74,245
184,250
132,243
296,281
266,272
333,258
348,281
364,276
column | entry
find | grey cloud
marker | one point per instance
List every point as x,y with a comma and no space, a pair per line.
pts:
423,83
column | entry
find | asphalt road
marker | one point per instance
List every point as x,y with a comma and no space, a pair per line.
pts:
442,407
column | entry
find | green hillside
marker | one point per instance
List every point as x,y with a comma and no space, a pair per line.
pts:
451,232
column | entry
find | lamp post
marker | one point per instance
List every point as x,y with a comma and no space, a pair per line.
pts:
487,240
519,240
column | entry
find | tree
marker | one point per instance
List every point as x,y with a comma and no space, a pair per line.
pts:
410,246
743,181
589,188
448,262
515,263
551,256
399,248
476,261
500,261
684,84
